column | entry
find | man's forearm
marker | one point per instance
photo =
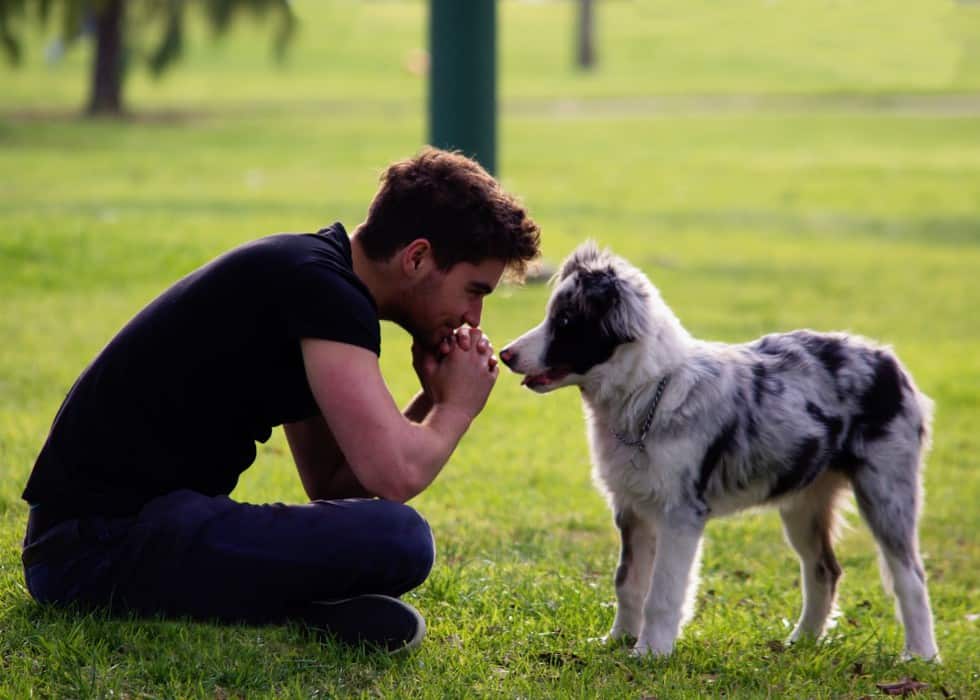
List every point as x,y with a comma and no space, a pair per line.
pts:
418,408
445,427
343,484
322,467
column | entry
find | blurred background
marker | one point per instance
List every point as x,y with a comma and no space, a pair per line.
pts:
770,164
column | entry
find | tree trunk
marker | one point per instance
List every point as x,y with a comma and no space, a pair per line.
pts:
585,53
107,66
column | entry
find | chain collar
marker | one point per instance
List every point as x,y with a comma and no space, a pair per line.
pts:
646,421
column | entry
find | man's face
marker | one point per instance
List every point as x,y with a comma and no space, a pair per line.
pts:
444,300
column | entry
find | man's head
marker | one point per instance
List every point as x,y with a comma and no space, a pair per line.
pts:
453,231
452,202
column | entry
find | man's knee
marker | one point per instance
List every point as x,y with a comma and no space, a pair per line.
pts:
377,546
410,544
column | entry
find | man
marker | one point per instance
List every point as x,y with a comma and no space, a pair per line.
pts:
129,495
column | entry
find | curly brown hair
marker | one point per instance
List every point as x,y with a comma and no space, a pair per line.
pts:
451,201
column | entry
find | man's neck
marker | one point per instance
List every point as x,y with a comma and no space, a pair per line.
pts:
376,276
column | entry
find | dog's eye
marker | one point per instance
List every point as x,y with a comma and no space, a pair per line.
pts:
563,321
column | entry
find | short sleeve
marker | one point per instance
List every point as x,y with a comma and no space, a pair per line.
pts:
324,302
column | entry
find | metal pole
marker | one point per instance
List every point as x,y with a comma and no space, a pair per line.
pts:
463,81
585,46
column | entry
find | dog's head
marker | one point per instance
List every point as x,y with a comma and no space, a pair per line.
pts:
598,303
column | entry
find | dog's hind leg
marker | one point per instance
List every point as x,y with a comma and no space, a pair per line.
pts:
638,544
888,496
809,522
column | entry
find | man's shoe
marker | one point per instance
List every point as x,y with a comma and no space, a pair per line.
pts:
379,620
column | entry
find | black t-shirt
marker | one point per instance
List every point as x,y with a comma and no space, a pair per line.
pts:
180,396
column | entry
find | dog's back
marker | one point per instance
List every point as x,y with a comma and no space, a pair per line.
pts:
790,406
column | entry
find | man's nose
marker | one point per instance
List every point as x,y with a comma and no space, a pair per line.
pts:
473,314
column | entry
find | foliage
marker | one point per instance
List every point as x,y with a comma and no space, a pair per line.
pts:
165,20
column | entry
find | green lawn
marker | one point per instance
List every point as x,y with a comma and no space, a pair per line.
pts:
819,203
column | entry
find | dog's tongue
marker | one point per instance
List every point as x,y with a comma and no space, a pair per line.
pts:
552,375
535,379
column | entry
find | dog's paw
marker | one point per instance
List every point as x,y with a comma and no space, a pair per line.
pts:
651,650
805,639
926,656
615,640
799,635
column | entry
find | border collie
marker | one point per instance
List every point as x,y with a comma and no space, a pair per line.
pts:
681,431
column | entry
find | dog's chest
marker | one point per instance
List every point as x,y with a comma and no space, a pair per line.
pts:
630,472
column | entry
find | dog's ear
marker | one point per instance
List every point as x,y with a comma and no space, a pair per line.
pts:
600,289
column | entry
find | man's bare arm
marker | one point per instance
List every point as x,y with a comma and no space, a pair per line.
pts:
322,467
418,408
319,461
391,456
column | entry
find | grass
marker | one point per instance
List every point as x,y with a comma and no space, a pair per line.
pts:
768,217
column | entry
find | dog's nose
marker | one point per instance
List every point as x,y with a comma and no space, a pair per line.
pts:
508,357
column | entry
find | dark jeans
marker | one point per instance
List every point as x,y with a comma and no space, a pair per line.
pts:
213,558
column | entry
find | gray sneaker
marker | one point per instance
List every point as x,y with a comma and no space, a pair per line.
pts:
377,620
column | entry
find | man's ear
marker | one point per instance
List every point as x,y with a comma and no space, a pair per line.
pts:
416,257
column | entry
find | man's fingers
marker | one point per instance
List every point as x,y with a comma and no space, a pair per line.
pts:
467,338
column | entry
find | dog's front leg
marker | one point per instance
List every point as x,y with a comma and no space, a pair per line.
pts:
638,544
674,581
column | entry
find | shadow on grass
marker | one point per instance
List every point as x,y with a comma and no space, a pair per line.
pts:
69,652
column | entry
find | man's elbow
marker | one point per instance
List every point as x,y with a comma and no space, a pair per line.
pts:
400,483
398,493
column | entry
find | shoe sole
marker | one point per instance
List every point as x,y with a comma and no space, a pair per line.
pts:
340,622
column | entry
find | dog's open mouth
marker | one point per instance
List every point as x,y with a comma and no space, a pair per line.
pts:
545,378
